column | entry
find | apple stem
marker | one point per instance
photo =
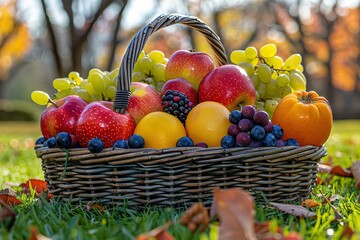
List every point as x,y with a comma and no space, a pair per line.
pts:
52,102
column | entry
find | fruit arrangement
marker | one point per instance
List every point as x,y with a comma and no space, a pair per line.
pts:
258,100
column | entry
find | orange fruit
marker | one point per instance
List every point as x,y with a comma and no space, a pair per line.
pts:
160,130
208,122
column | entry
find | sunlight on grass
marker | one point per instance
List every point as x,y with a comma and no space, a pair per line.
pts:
18,161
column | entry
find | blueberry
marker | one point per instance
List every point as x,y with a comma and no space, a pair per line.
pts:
228,141
50,143
269,140
95,145
235,116
40,140
121,144
257,133
185,142
201,144
136,141
278,132
291,142
63,140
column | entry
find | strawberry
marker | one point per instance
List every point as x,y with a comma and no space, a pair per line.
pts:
99,120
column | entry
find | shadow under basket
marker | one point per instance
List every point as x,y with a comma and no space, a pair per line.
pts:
179,176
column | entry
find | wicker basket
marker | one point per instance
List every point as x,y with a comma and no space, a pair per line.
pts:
176,176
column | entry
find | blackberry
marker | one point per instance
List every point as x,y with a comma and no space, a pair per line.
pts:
177,104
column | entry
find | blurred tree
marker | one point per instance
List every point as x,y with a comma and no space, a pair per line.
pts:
327,35
15,40
71,44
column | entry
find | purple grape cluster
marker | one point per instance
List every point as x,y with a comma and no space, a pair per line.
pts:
252,128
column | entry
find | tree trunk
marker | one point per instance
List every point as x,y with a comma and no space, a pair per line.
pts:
2,89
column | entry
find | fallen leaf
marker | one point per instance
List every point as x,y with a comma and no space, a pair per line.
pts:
8,191
355,169
334,170
339,171
7,215
195,218
235,209
35,235
10,199
347,233
264,231
159,233
336,212
332,198
292,236
91,205
310,203
38,185
324,168
294,210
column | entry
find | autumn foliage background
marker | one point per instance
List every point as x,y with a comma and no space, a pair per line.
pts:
41,40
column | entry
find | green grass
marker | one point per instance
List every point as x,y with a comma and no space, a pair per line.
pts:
57,220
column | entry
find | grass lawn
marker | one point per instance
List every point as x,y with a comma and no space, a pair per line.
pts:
18,163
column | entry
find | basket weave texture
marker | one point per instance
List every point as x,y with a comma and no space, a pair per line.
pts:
176,176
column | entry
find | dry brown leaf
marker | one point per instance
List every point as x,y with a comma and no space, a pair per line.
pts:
7,215
8,191
294,210
264,232
35,235
347,233
92,205
310,203
292,236
336,212
10,199
38,185
235,209
195,218
324,168
159,233
355,169
339,171
334,170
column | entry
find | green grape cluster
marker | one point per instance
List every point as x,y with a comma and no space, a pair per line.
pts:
150,68
99,85
273,78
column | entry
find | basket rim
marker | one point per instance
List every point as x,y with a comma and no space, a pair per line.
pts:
182,155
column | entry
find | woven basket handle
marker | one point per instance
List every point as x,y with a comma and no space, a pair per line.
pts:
137,44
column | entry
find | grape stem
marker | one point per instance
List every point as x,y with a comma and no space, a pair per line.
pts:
52,102
275,69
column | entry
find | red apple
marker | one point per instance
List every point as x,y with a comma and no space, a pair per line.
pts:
181,85
61,116
99,119
192,66
144,99
228,85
